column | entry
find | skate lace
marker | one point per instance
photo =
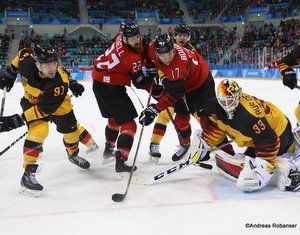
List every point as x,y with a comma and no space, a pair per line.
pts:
181,150
154,148
80,161
33,179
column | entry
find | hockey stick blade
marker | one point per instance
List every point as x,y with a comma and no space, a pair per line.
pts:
118,197
206,166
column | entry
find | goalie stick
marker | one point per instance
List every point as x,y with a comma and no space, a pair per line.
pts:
191,159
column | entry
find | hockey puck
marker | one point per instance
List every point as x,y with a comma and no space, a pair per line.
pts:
118,197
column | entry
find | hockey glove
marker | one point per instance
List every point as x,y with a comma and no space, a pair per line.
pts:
7,78
289,78
9,123
255,175
152,73
157,91
139,80
148,115
76,88
174,88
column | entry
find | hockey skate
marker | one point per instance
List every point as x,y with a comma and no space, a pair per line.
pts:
120,164
93,148
108,154
182,150
79,161
155,155
29,185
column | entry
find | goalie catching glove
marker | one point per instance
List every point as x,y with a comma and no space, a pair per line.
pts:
256,174
148,115
9,123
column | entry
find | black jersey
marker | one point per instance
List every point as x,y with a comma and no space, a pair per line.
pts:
42,96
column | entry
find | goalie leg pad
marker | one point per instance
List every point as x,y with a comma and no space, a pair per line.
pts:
288,176
228,165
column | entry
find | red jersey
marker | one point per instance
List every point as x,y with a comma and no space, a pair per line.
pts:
113,67
178,68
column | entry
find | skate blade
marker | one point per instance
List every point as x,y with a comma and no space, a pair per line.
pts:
134,179
107,161
89,151
29,192
154,159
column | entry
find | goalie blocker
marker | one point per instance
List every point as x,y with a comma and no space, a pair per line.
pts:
286,171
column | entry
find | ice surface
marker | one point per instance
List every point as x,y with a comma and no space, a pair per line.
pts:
192,201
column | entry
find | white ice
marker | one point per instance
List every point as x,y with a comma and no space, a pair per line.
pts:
192,201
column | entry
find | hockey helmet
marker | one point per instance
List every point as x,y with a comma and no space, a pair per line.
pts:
163,44
129,29
44,53
228,96
183,29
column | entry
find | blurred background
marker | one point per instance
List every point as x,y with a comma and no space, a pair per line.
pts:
237,38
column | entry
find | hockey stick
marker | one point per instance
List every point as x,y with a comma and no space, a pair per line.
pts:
137,97
180,166
13,143
3,102
176,128
119,197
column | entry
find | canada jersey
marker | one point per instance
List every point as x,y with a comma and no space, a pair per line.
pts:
42,96
114,66
256,123
178,68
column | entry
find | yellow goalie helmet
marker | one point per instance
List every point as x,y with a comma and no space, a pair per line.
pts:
228,96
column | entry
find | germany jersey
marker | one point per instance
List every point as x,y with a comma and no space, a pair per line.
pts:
256,123
42,96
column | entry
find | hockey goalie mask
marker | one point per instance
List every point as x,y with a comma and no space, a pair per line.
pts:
228,96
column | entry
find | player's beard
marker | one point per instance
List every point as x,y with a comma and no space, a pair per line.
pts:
137,48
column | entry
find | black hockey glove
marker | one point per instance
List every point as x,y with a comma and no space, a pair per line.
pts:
175,88
148,115
76,88
7,78
151,72
9,123
289,78
139,80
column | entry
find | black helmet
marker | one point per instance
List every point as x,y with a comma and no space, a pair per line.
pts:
163,43
129,29
182,28
44,53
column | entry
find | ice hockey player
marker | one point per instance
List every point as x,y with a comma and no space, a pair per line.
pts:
188,84
182,35
45,98
117,68
261,127
84,136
